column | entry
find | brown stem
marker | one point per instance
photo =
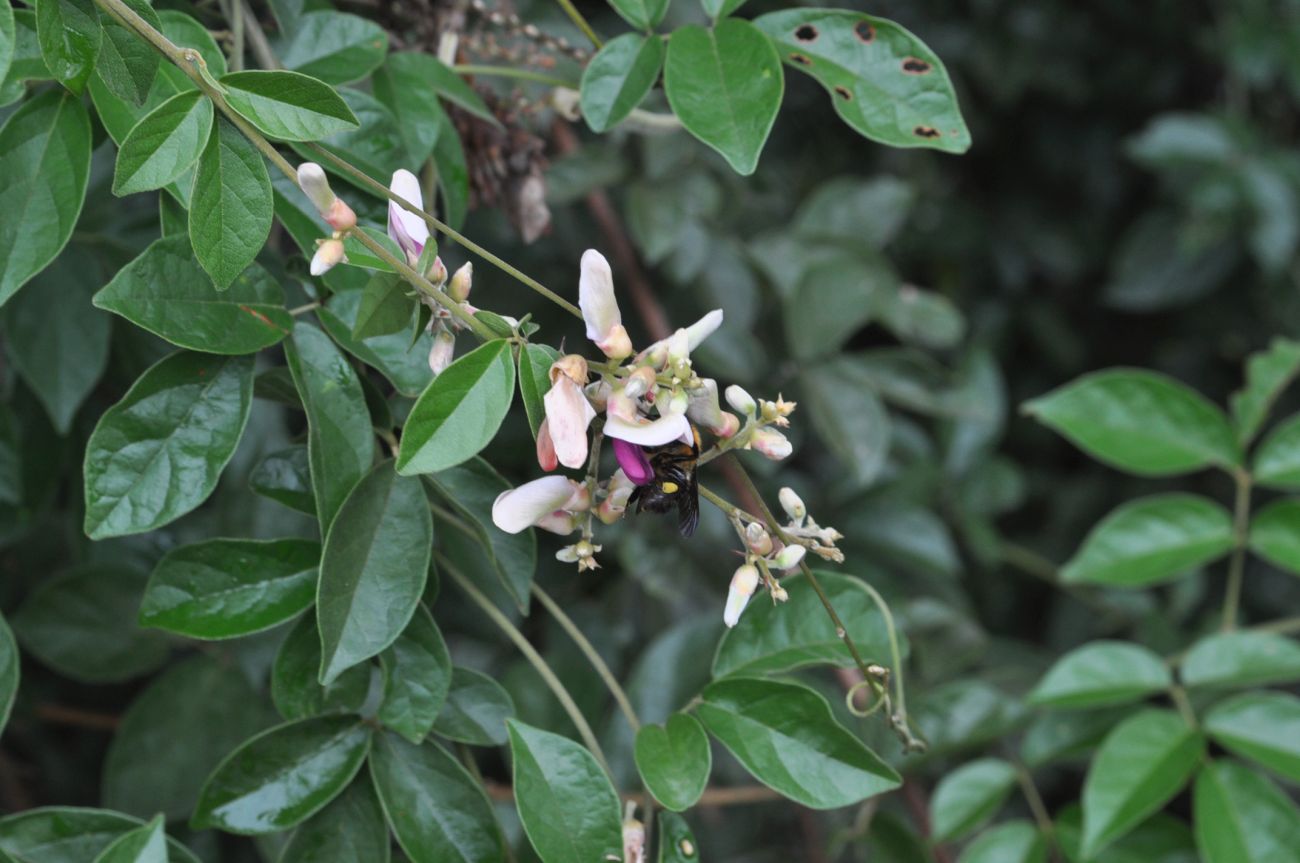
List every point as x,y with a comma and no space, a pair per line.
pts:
57,714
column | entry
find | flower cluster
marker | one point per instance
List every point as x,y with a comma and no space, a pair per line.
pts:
647,399
334,210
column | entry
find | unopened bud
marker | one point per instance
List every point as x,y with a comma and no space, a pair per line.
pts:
640,382
340,216
771,443
461,282
741,401
743,584
442,351
617,344
789,557
571,366
566,103
546,456
633,841
329,253
792,504
779,594
316,186
757,539
437,272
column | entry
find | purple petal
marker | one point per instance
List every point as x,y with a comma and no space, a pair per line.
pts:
633,461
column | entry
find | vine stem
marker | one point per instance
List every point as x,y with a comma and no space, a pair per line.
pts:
1237,563
1037,807
530,653
513,72
580,22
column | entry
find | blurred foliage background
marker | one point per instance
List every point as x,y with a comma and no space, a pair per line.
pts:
1132,198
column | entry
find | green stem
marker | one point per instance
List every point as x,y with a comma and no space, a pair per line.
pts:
611,682
303,309
580,22
513,72
1178,696
530,653
384,192
1237,563
1036,806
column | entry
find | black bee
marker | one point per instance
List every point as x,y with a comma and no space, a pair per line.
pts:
674,484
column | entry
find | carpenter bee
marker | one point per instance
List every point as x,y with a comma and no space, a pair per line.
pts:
674,483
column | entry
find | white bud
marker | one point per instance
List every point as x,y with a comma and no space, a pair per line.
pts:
743,584
461,282
741,401
792,504
757,539
789,557
328,254
442,350
437,272
316,186
771,443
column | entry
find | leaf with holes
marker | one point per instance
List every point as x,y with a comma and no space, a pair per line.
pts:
725,85
883,81
165,291
230,207
618,78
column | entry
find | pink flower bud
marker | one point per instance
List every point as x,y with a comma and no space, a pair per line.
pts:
316,186
771,443
340,216
437,272
568,414
546,456
329,253
743,584
442,350
757,539
600,308
461,282
408,230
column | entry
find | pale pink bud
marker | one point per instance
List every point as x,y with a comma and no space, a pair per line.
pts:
771,443
442,350
568,414
789,557
340,216
620,488
461,282
792,504
546,456
316,186
600,308
518,509
617,344
329,253
633,841
757,539
743,584
703,408
639,382
437,272
407,229
741,401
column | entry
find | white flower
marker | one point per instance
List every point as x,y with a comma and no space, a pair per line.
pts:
328,254
408,230
743,584
697,332
600,308
518,509
665,429
568,414
704,409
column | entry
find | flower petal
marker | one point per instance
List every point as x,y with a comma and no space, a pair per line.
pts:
703,328
408,230
632,459
568,413
596,296
658,432
520,508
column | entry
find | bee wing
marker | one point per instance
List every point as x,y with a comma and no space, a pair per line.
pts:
688,506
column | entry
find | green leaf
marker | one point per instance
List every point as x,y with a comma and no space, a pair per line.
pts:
349,830
157,453
164,145
373,570
294,689
1277,460
413,74
1152,539
857,430
127,64
44,167
1268,373
165,291
69,834
227,588
1241,659
288,106
70,35
1011,842
720,8
618,78
784,734
436,809
1140,421
568,807
1140,766
403,84
1102,673
376,148
188,32
475,711
535,363
8,38
398,357
1261,726
725,85
460,412
1055,735
922,318
471,488
883,81
418,677
850,209
340,443
175,732
1275,534
453,171
832,301
676,841
147,844
230,207
384,308
674,760
285,477
1242,817
282,776
1161,838
335,47
967,798
641,14
60,357
776,638
10,673
82,624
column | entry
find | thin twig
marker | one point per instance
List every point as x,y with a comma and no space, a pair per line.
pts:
57,714
1237,563
742,795
580,22
257,40
513,72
